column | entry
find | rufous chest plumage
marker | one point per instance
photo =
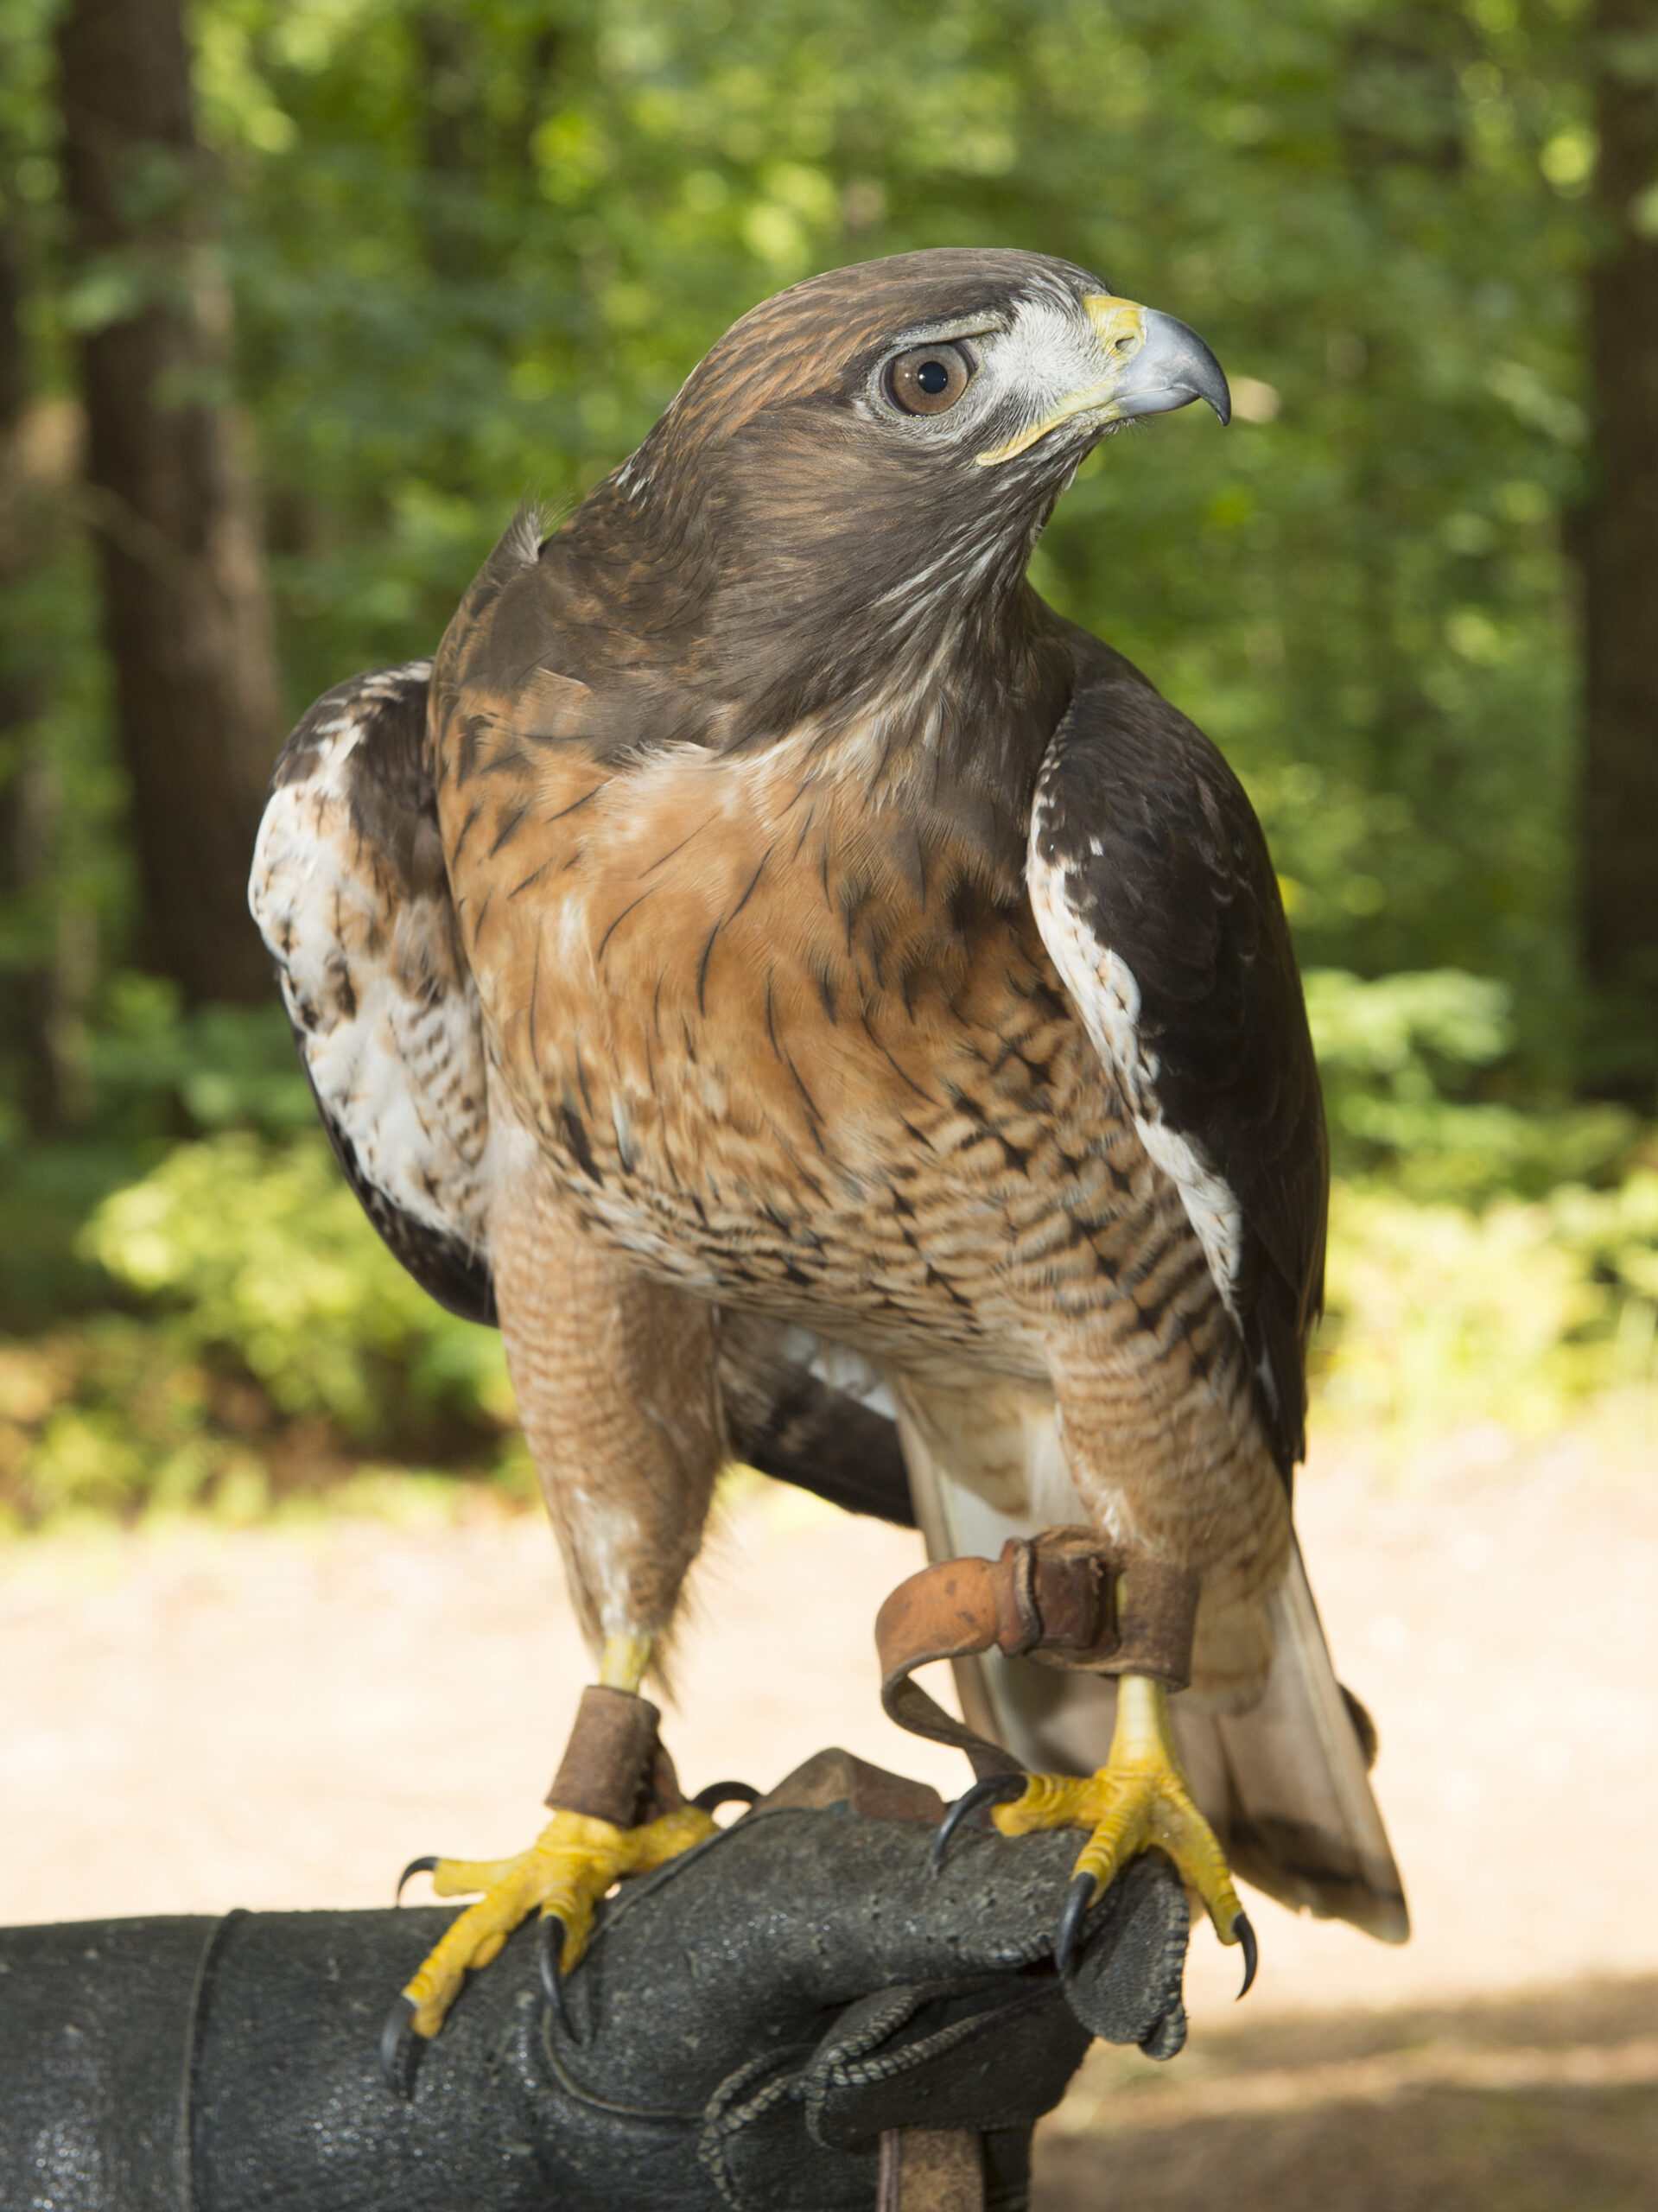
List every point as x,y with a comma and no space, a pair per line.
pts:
778,1055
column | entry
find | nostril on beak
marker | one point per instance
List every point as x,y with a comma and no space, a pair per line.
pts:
1127,346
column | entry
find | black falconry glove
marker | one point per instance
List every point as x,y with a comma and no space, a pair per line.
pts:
746,2024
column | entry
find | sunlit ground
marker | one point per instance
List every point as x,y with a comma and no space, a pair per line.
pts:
196,1719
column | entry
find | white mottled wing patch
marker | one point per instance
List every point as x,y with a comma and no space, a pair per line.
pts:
1105,993
349,890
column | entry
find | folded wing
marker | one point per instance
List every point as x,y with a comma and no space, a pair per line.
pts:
1155,897
350,894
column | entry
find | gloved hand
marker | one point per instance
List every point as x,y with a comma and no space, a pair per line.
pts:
745,2024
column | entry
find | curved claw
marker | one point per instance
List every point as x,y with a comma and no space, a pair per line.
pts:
397,2047
1078,1898
726,1792
1246,1936
426,1865
549,1949
990,1789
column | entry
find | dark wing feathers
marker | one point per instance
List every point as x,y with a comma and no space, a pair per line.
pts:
793,1411
1155,895
821,1439
457,1275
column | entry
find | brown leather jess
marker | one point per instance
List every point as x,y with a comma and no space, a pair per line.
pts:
1063,1598
614,1768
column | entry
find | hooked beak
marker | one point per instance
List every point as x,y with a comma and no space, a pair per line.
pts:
1151,363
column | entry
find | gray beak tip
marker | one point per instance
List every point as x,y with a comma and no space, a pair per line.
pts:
1175,367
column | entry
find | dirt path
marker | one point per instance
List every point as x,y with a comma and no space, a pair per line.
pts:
281,1717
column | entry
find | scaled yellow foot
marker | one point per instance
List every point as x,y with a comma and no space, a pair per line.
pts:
1140,1797
563,1874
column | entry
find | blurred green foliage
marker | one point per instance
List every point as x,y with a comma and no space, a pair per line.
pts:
474,248
216,1067
272,1343
1518,1317
146,1075
1489,1262
1404,1060
262,1252
474,245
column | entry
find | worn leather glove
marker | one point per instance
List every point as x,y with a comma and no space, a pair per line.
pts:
747,2023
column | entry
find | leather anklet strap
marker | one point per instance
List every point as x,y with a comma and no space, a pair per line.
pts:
609,1768
1064,1598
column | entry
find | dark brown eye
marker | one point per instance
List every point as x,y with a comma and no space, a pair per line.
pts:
928,378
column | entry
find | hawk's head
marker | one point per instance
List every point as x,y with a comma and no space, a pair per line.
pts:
986,376
848,485
978,356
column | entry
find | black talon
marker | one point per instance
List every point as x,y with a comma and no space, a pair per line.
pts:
990,1789
1078,1898
1246,1936
426,1865
549,1949
397,2048
726,1792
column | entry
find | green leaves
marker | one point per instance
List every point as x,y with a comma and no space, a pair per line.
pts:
266,1255
1401,1059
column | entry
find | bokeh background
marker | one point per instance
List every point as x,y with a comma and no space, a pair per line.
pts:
299,297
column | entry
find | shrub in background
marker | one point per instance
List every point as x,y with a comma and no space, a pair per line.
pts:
1489,1262
275,1344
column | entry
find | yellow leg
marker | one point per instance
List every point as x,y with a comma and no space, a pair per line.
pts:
563,1875
1140,1797
623,1661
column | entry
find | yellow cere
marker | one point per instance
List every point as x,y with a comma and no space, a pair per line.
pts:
1120,327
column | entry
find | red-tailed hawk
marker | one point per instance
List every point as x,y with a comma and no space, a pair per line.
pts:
769,942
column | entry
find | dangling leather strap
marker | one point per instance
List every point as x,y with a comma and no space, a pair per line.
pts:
1064,1598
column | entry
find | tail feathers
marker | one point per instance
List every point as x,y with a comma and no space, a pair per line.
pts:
1298,1818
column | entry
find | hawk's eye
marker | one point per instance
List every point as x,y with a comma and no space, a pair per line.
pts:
928,378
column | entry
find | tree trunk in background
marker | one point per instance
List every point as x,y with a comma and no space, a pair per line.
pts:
1620,569
452,130
186,613
26,984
